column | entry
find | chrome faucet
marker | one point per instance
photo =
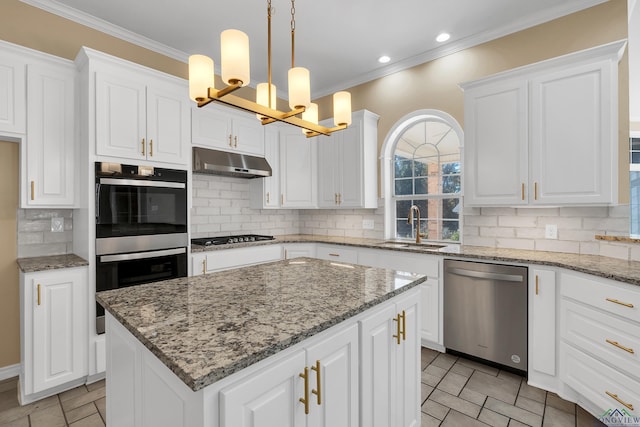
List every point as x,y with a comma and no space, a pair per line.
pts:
419,236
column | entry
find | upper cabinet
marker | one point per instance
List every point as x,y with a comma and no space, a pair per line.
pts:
298,169
12,90
265,192
221,128
49,175
545,134
135,114
347,165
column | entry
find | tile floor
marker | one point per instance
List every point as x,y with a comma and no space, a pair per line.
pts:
455,392
460,392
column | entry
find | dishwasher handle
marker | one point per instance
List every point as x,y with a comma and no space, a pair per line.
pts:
486,275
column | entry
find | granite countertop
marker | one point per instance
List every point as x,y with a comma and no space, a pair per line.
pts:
207,327
610,268
52,262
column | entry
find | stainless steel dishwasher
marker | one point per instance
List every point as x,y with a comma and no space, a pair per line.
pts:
485,312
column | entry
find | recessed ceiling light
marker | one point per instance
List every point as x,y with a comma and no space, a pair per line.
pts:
384,59
443,37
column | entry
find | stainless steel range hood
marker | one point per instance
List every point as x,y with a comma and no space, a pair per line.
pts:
216,162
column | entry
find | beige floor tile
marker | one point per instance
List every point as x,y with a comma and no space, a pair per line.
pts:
508,376
48,417
427,356
74,392
500,388
454,402
22,422
532,393
456,419
494,419
92,421
473,396
514,412
81,412
425,391
461,369
452,383
530,405
101,404
515,423
76,402
444,361
435,409
9,399
9,384
96,385
585,419
478,366
556,418
557,402
429,421
432,375
22,411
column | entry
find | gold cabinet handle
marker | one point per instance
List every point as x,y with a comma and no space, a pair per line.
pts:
305,399
615,301
39,294
537,288
535,190
282,199
142,146
523,191
318,391
339,198
230,143
235,139
335,198
286,254
151,147
33,190
204,266
616,344
267,197
336,255
404,326
620,401
398,328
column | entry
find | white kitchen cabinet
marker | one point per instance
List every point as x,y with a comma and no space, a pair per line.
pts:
12,89
299,250
222,128
347,165
54,331
338,253
265,192
224,259
298,169
542,328
139,117
272,398
546,133
390,388
430,291
48,179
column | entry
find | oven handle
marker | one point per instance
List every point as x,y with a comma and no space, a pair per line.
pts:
142,183
142,255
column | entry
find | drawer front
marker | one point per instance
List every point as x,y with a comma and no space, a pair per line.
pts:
598,382
231,258
617,298
336,253
607,337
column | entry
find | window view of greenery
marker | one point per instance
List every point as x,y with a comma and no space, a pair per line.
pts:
427,175
634,174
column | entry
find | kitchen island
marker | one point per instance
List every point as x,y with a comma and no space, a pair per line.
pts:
290,343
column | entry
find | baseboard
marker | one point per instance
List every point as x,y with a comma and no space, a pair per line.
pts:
432,345
10,371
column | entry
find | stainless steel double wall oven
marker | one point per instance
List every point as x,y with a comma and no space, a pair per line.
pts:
141,226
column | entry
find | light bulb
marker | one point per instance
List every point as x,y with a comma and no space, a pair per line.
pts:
201,77
234,47
342,108
299,88
310,115
262,97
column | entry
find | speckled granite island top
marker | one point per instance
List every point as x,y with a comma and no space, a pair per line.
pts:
207,327
53,262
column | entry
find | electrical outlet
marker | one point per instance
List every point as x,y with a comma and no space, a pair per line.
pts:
551,231
367,224
57,225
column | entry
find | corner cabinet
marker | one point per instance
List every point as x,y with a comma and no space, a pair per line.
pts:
347,165
546,133
53,322
50,145
13,117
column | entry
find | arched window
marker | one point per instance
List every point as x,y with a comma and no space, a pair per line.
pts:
422,167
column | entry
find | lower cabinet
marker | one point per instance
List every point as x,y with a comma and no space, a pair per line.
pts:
209,261
299,250
337,253
390,388
316,386
54,327
542,329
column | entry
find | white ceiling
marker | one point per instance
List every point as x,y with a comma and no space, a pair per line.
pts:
338,40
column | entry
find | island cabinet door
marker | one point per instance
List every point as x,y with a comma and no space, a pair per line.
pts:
333,380
267,398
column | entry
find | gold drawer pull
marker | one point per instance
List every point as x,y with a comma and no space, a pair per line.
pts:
267,197
305,399
629,406
318,391
230,140
38,293
334,255
615,301
142,146
399,329
616,344
523,191
404,326
151,147
235,145
33,190
535,190
537,287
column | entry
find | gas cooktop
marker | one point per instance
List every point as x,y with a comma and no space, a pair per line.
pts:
226,240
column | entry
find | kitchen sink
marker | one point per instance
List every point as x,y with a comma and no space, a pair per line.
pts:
406,245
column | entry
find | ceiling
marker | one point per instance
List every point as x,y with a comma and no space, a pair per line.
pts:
338,40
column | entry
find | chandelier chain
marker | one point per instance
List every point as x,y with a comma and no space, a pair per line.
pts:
293,33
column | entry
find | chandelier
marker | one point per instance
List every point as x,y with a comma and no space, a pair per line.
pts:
235,72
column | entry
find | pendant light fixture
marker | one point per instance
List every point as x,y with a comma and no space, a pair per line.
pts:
235,72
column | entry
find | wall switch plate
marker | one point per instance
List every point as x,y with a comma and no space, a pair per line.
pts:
367,224
551,231
57,225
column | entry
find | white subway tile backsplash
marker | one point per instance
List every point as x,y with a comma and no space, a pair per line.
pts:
515,243
598,212
557,246
517,221
34,232
486,221
614,250
497,232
